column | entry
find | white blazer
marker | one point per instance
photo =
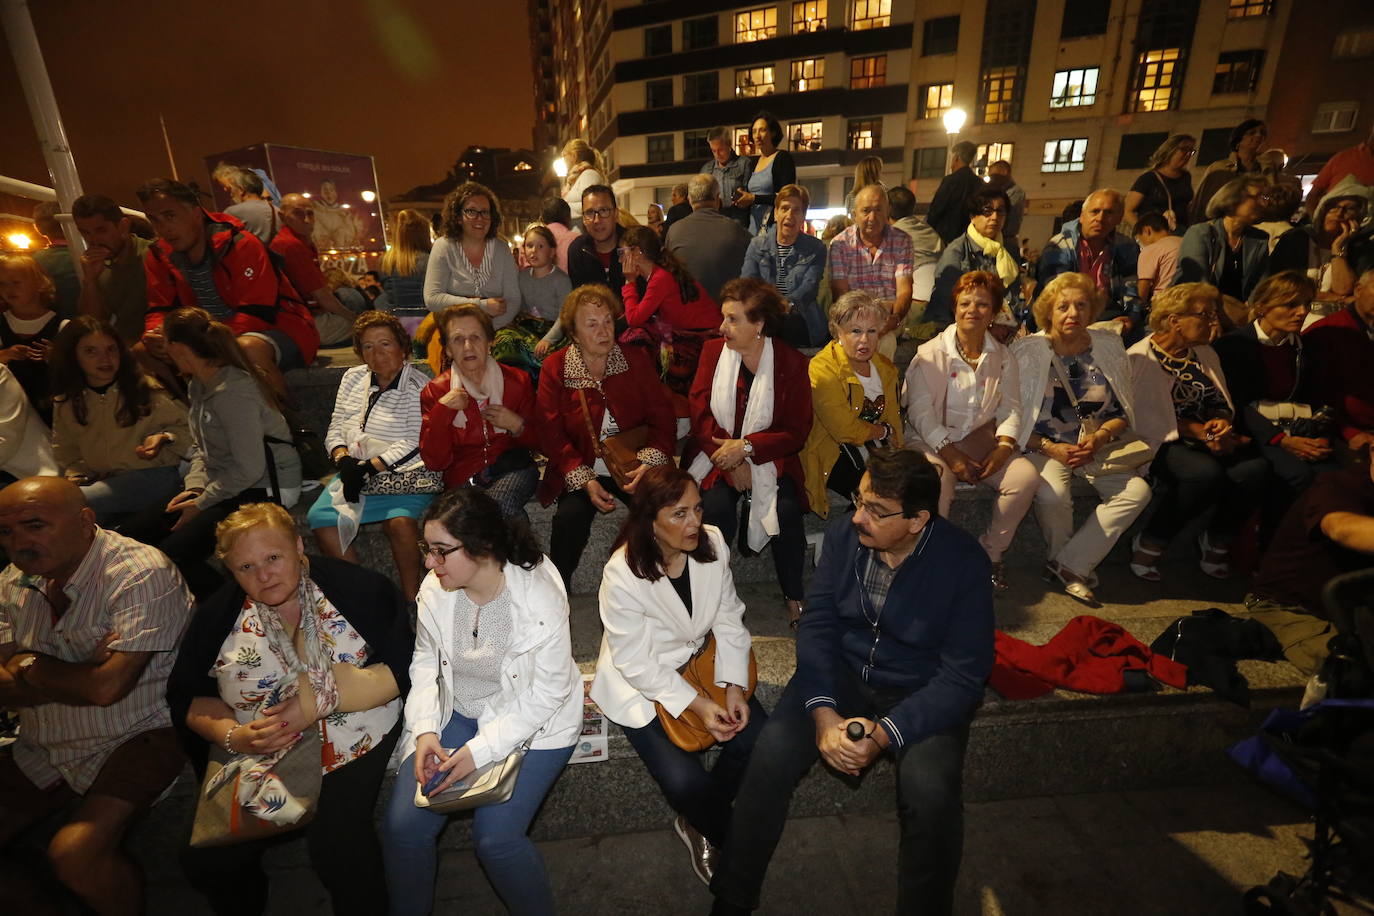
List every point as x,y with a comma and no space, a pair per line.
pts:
649,635
927,389
541,690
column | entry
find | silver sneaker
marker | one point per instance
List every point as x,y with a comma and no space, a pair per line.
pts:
703,853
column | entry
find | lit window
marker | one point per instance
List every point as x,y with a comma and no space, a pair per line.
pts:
988,153
1156,80
1065,155
1353,44
660,148
755,25
1074,87
999,95
872,14
1237,71
1335,117
808,74
804,136
744,141
754,81
808,16
935,99
1241,9
865,134
868,72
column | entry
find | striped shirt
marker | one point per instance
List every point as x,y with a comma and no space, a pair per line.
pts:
121,587
201,278
783,284
392,415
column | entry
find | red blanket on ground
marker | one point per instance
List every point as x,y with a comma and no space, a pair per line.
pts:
1090,654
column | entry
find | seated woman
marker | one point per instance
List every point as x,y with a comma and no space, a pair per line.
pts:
403,268
666,562
1228,251
477,416
1076,401
373,441
670,315
751,416
1318,248
1187,414
963,392
1268,376
116,432
28,327
511,684
794,262
240,449
588,392
853,401
543,287
980,248
291,645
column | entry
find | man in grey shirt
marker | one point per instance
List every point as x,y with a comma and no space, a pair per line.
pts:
710,244
730,171
250,207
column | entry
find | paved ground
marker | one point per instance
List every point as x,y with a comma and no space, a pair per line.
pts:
1187,851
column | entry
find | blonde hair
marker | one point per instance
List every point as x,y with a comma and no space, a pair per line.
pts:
850,306
47,290
1284,289
868,171
410,237
1175,299
580,150
1050,295
247,518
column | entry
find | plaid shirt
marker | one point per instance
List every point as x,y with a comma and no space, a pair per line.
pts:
877,581
120,586
876,273
1118,276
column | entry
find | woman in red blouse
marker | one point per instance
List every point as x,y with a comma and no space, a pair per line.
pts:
751,415
622,391
477,424
669,313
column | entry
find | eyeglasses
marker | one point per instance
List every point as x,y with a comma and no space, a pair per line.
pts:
598,213
1208,316
440,554
992,211
863,505
476,214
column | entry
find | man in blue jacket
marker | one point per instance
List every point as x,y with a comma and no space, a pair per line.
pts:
897,637
1091,245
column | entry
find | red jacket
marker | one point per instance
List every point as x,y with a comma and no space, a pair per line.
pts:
261,297
662,297
1090,655
1341,354
462,453
632,391
780,443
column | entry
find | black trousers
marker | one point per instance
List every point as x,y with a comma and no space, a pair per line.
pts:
572,523
342,843
930,806
1196,480
846,473
190,545
720,507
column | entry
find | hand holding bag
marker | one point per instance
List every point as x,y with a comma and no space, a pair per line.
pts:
687,730
1124,454
488,785
221,820
619,452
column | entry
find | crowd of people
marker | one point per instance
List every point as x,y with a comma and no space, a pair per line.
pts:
720,371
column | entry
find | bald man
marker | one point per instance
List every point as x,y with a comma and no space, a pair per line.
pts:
1091,245
294,243
90,622
875,257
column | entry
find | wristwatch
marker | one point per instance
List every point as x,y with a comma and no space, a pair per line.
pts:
25,664
748,448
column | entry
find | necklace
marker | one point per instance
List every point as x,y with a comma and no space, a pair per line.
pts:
1174,364
959,348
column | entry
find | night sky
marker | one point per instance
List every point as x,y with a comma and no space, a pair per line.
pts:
411,82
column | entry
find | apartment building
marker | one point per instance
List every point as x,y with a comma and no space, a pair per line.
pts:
1076,94
644,82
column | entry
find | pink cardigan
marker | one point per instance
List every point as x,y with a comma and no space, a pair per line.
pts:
927,383
1156,421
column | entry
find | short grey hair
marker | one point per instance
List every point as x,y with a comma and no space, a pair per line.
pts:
237,177
701,188
1119,201
966,151
851,305
718,133
1225,201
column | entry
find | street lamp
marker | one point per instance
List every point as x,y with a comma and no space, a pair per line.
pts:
560,167
954,120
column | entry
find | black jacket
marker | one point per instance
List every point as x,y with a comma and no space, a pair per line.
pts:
584,267
1242,362
369,601
948,214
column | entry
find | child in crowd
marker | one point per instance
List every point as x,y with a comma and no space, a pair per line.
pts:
1158,255
543,286
28,328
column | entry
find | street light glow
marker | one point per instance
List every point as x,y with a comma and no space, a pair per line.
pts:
560,167
369,196
19,240
954,120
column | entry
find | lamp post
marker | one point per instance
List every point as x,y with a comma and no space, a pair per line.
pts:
954,122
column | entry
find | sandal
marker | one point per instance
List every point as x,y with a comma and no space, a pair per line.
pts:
999,579
1216,559
794,612
1147,571
1075,586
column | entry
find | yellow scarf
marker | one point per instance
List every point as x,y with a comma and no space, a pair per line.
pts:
1006,264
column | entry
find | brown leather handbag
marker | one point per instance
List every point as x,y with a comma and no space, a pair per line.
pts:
621,451
688,731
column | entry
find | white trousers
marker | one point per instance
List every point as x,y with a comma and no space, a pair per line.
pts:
1124,496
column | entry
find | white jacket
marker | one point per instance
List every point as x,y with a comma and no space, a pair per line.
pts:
541,689
24,437
1033,355
649,635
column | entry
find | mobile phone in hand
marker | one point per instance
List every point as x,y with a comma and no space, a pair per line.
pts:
433,783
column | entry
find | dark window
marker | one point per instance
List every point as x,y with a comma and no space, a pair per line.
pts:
940,36
700,33
865,134
660,148
1136,149
658,94
867,72
1213,145
700,87
818,189
1084,17
658,40
1237,71
930,162
694,145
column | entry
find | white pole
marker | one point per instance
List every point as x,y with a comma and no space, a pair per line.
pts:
52,138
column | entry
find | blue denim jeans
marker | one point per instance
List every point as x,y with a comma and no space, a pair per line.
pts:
512,862
132,491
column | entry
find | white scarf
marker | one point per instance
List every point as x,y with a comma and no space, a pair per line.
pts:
492,389
758,416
